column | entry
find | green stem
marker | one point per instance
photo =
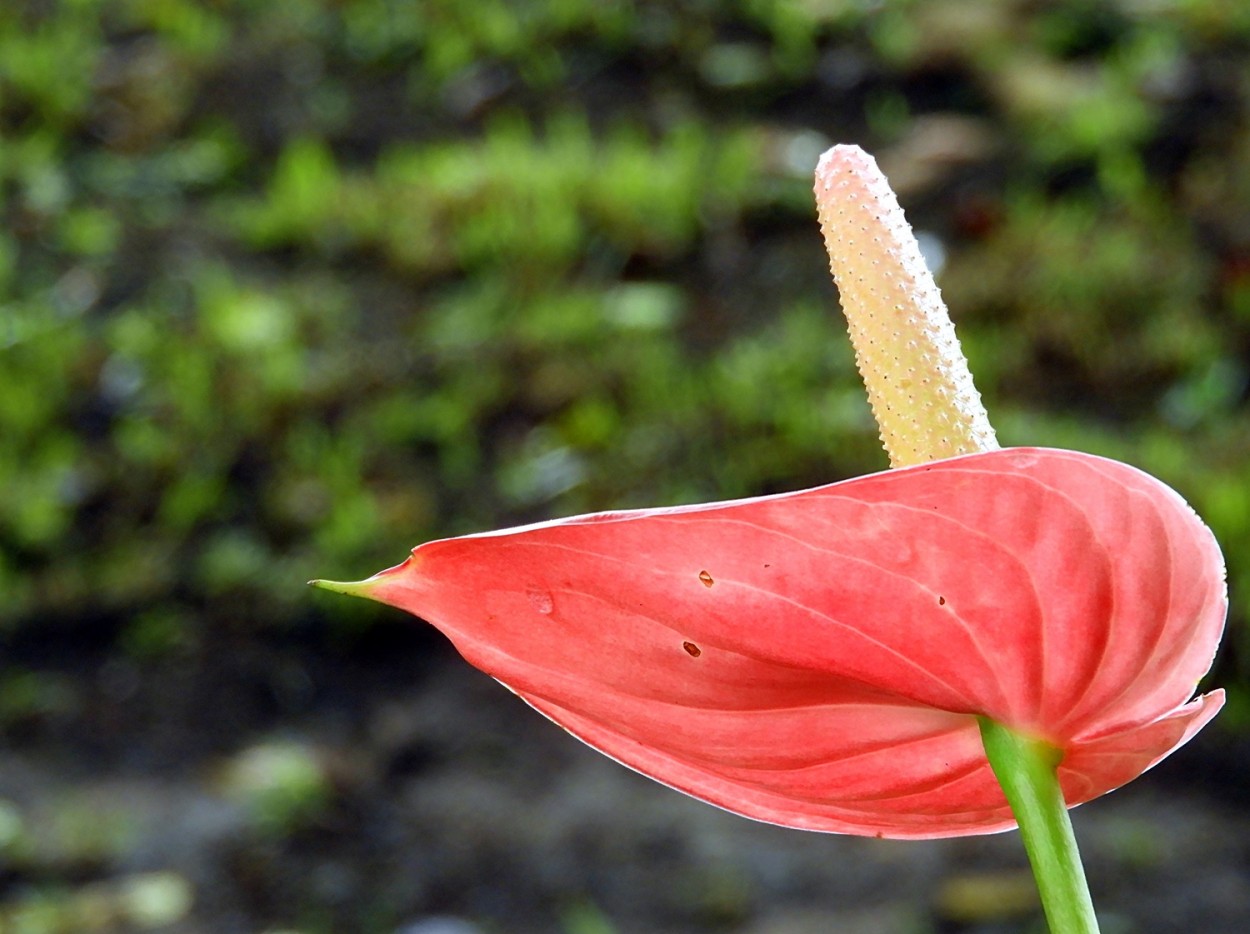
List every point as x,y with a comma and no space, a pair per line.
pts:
1026,768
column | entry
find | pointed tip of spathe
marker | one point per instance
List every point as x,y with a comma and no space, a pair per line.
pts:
362,588
380,587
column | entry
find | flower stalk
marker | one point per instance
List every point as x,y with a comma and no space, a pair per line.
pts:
1027,770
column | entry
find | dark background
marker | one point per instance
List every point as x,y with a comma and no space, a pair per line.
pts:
289,286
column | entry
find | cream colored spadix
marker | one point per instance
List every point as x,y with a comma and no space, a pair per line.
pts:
917,378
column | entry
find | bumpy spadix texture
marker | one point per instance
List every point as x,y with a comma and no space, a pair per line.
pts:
818,659
917,379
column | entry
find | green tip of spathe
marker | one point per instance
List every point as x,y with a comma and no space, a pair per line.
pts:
362,588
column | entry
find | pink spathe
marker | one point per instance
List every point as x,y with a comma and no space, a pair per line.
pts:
819,659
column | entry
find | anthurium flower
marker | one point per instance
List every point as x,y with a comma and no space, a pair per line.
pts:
852,658
819,659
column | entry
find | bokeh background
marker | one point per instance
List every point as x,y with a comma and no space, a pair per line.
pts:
289,286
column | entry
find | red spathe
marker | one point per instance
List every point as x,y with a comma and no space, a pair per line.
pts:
818,659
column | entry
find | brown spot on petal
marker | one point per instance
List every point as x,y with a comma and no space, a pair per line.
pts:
941,601
706,578
691,649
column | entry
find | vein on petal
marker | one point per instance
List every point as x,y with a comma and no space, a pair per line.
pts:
991,671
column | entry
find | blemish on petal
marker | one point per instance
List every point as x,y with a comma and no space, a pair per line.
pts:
691,649
706,578
540,600
941,601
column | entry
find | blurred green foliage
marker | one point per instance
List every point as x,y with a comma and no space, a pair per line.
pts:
287,287
281,784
